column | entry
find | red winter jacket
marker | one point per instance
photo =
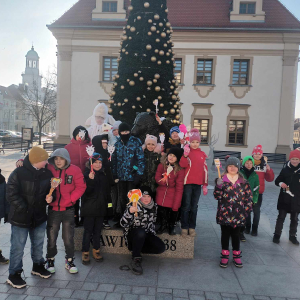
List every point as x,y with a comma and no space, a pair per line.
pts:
169,195
71,188
264,174
195,167
77,151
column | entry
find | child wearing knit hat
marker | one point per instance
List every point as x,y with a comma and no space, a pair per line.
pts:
289,197
196,176
234,197
265,173
250,175
173,141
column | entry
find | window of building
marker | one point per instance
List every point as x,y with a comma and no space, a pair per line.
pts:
236,132
34,64
203,126
30,63
247,8
204,71
109,6
240,74
178,69
110,68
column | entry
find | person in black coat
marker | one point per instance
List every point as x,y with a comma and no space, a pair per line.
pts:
27,193
96,204
289,197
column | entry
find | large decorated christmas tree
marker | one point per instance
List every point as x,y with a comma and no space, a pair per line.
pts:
146,65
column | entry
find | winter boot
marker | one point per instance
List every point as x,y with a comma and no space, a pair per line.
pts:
136,266
3,260
276,238
254,231
242,237
39,270
192,232
184,232
247,230
96,255
172,230
16,280
49,265
224,258
70,266
237,259
294,240
106,224
85,258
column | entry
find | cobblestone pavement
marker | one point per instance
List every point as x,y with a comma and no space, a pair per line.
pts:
270,271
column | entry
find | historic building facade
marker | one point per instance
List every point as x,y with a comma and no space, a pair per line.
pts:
236,61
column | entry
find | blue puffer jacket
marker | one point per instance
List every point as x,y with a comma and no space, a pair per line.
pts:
4,207
125,158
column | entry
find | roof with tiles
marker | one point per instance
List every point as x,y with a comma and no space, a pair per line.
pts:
189,14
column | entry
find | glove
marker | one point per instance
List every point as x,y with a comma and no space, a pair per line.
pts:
204,188
187,150
136,180
219,182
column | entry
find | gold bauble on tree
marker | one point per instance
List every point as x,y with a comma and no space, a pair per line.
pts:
155,80
156,50
177,117
126,100
163,34
161,52
149,33
135,74
150,21
176,92
160,24
153,58
159,62
172,111
157,89
148,47
128,80
156,76
138,98
146,4
178,110
148,110
141,78
121,112
133,106
156,17
149,82
168,24
165,112
153,28
110,110
161,105
157,40
175,105
126,53
174,97
159,97
113,93
119,104
131,83
122,87
139,17
130,7
132,29
167,62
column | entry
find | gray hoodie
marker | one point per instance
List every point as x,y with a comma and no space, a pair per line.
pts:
61,152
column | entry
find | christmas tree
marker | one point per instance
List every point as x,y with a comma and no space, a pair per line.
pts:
146,65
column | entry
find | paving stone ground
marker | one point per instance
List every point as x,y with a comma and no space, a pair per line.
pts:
270,272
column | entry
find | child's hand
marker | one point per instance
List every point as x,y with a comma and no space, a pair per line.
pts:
19,163
116,180
268,167
49,199
219,181
204,188
283,185
187,150
133,209
92,176
158,119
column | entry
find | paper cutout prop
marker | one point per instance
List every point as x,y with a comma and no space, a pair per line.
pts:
155,102
134,196
167,174
111,150
81,134
90,151
55,182
218,166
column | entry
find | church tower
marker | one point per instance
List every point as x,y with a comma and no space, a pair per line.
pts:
32,77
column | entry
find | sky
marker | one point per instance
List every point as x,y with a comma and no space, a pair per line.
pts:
23,23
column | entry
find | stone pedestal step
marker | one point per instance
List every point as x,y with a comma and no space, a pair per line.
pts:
112,241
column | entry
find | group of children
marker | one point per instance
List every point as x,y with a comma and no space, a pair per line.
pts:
170,177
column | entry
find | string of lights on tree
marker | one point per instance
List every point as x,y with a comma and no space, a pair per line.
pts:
146,65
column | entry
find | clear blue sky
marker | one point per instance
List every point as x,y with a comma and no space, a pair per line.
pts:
23,22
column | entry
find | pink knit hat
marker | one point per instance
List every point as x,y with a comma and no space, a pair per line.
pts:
195,135
258,150
152,139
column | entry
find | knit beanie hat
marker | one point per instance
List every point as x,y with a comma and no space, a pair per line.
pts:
294,154
233,161
249,158
178,152
96,156
174,129
116,125
258,150
146,190
195,135
78,129
124,127
151,139
37,154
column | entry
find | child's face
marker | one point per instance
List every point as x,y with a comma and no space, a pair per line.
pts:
97,165
99,120
194,144
295,161
174,136
59,162
116,132
257,156
172,159
150,147
125,132
78,138
40,165
146,199
232,170
104,144
249,164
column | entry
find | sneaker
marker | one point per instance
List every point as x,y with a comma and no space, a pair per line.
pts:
294,240
106,225
276,238
39,270
224,258
16,280
242,237
172,230
254,231
49,265
247,230
237,259
3,260
70,266
136,266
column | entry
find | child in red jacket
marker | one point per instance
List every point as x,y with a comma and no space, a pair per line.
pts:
196,175
169,177
79,157
61,211
264,172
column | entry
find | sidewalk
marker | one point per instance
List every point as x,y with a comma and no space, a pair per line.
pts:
270,271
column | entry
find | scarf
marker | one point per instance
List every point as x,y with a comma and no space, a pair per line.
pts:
172,142
247,171
147,206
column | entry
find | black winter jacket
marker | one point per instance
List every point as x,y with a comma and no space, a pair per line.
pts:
291,177
26,192
96,201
